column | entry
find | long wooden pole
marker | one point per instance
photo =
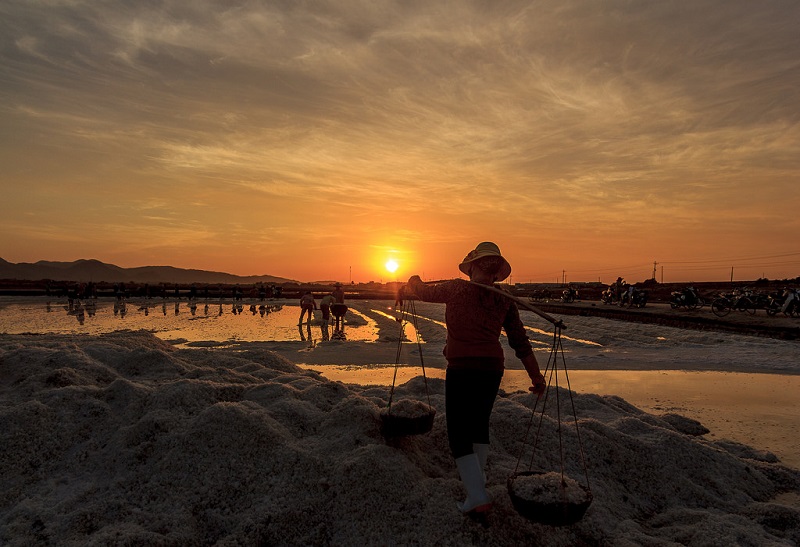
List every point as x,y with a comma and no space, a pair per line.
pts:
519,301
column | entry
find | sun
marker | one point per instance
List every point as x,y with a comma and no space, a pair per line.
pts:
391,265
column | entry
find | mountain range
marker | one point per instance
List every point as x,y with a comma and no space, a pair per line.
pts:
94,270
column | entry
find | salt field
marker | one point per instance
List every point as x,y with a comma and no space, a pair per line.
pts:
740,387
196,321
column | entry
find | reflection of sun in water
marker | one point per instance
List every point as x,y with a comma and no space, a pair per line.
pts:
391,265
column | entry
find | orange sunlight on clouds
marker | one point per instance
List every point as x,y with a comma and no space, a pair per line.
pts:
588,140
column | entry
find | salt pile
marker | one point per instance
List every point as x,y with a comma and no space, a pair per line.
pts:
549,488
123,439
408,408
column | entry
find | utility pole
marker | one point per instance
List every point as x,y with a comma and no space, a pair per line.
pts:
731,274
563,277
654,270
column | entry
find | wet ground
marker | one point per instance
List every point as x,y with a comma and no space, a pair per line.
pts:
710,374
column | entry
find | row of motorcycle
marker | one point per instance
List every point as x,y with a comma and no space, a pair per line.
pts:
625,296
785,301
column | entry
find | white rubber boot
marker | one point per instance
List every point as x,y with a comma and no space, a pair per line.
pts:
482,451
469,468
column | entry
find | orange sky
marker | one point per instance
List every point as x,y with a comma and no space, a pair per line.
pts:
316,140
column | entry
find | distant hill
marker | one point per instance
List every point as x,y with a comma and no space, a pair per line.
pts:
94,270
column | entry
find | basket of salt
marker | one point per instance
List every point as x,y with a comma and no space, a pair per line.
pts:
548,498
407,417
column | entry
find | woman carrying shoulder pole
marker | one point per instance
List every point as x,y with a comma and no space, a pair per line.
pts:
475,360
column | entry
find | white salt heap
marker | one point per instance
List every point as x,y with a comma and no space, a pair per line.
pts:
549,488
122,439
407,408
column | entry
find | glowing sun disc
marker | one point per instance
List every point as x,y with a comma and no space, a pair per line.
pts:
391,265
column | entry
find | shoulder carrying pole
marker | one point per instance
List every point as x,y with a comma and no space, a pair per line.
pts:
519,301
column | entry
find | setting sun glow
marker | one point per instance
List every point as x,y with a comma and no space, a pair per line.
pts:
373,167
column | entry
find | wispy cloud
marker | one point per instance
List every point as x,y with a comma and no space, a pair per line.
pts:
425,117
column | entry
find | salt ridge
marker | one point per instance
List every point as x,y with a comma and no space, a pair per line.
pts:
122,438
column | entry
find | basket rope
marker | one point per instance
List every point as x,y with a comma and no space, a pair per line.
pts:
408,310
551,368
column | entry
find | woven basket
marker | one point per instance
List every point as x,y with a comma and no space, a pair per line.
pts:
393,425
558,513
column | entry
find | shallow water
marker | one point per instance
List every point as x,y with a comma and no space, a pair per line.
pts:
195,321
589,342
759,410
656,368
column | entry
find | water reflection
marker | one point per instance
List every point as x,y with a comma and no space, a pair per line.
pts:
304,329
76,308
77,311
338,310
223,321
273,328
120,308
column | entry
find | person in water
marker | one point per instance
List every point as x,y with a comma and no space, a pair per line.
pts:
307,305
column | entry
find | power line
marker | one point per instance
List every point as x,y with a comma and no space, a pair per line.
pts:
724,261
724,265
728,260
682,265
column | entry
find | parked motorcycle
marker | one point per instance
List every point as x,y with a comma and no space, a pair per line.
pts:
569,295
761,301
541,295
638,298
791,305
687,298
634,297
737,300
786,302
612,294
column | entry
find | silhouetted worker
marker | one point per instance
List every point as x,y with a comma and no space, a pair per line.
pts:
307,305
338,309
325,306
338,293
475,318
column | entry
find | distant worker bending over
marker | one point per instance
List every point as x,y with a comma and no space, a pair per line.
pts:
325,306
307,305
